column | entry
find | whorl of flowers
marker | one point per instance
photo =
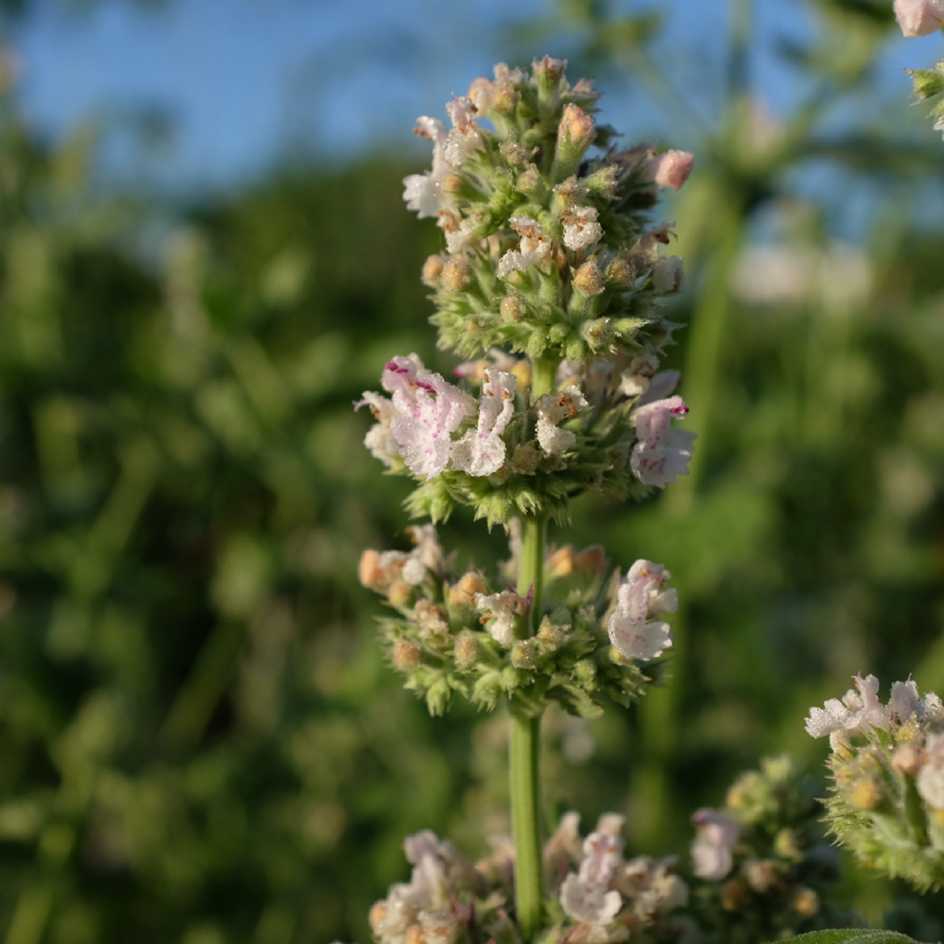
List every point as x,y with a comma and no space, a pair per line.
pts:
886,800
455,632
769,871
550,260
919,18
762,861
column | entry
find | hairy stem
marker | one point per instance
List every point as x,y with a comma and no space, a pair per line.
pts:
524,743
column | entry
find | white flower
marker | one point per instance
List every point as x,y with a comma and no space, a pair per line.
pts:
379,439
667,275
930,780
465,138
661,453
641,596
858,712
533,248
499,614
713,849
482,450
426,412
581,229
919,17
904,702
586,895
554,409
423,193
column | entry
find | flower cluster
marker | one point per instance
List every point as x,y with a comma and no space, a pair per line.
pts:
457,633
886,801
551,268
608,426
548,247
919,18
760,869
762,860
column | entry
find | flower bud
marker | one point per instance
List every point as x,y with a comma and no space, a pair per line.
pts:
621,272
550,636
511,308
455,274
466,650
548,73
762,875
463,592
561,562
406,655
430,620
414,935
399,593
369,570
482,94
432,269
588,279
671,169
806,902
574,135
787,845
530,182
734,895
376,916
524,654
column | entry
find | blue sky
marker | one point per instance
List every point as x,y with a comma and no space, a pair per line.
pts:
246,81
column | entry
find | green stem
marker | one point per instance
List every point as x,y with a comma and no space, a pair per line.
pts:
524,743
523,758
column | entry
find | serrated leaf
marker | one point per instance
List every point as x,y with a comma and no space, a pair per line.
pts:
850,936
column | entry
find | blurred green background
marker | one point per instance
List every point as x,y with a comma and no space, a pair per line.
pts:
200,740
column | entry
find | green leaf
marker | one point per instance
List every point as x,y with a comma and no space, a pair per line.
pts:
851,936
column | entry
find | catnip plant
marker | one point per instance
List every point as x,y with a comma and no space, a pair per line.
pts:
921,18
550,290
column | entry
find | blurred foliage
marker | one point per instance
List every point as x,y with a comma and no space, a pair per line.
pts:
201,743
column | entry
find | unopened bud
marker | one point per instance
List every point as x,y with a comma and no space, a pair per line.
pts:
482,94
561,562
529,181
369,570
432,269
806,903
550,635
671,169
524,654
574,135
734,895
455,274
430,620
463,592
762,875
399,593
466,650
588,279
376,916
406,655
621,272
511,308
787,845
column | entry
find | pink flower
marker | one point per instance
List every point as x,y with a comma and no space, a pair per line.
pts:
661,453
426,412
640,597
713,848
482,450
671,169
919,17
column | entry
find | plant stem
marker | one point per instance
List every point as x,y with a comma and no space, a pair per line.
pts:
524,743
523,754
